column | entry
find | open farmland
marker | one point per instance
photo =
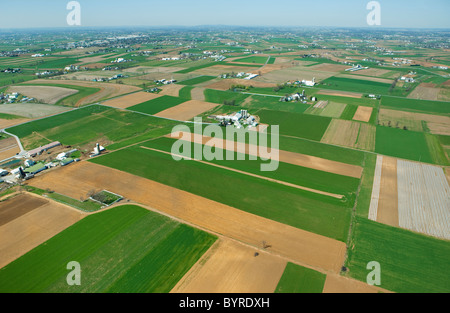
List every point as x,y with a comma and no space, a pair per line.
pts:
130,100
26,221
88,125
350,134
410,262
356,170
298,125
315,250
117,232
44,94
93,91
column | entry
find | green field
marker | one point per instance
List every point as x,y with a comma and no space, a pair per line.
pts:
295,124
85,125
298,279
355,85
302,209
403,144
157,105
409,262
285,172
256,59
124,249
196,80
414,105
219,96
258,102
185,92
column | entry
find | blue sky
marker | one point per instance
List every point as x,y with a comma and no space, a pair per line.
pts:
340,13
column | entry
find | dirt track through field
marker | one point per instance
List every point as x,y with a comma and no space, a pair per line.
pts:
304,247
280,155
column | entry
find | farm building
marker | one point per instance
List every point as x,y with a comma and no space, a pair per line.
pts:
37,168
66,161
37,151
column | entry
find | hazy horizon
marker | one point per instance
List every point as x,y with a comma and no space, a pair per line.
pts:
403,14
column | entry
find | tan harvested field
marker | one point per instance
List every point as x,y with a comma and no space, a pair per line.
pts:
388,201
107,90
34,221
375,197
44,94
171,90
198,93
373,79
151,69
231,267
217,70
272,73
413,121
31,110
340,284
363,114
425,92
131,99
301,246
423,199
225,84
327,67
8,148
9,123
280,155
350,134
187,110
375,72
340,93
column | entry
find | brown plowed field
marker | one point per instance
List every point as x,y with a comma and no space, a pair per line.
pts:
130,100
31,220
107,90
340,93
304,247
8,148
187,110
363,114
231,267
225,84
388,202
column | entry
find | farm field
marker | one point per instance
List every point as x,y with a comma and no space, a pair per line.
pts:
157,105
314,250
402,144
187,110
297,125
350,134
26,221
354,170
31,110
104,234
410,262
84,127
130,100
43,94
